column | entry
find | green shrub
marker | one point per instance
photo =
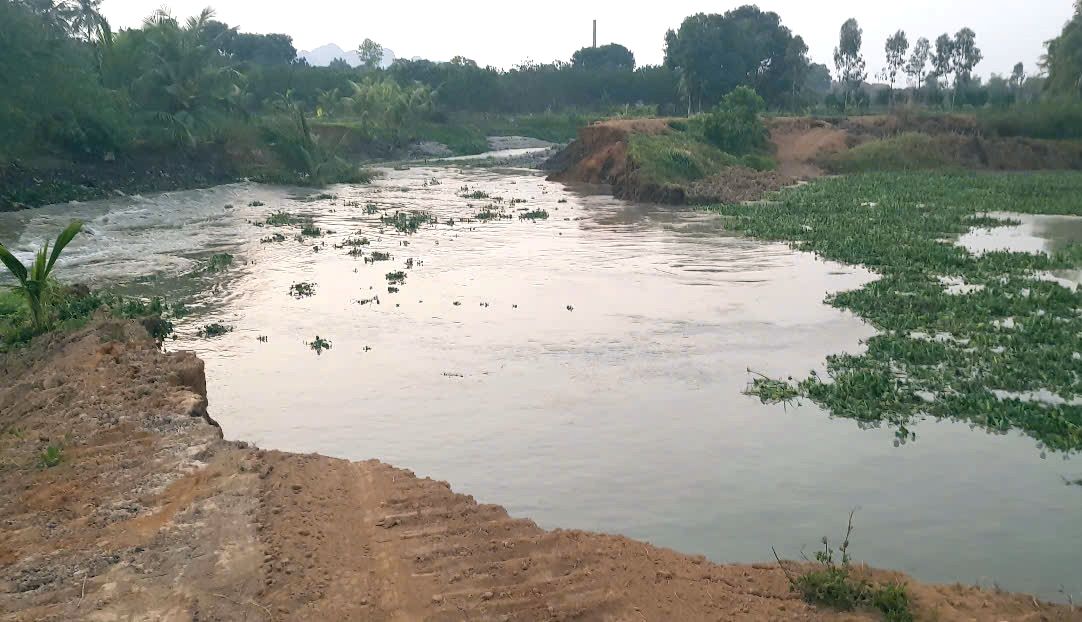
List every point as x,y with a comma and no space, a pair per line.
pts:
734,126
906,152
1056,120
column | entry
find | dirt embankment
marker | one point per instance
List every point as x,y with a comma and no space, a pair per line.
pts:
45,181
151,515
805,148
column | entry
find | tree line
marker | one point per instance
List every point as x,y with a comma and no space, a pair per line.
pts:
73,83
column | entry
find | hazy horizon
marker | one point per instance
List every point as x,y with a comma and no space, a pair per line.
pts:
490,34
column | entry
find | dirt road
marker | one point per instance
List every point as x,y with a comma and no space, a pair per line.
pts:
150,515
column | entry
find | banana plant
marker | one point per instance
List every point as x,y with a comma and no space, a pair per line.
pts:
34,280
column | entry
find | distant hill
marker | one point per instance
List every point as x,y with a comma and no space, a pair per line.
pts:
324,54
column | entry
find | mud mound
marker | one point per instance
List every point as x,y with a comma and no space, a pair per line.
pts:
150,515
801,142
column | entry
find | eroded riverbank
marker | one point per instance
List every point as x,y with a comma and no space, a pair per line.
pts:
622,414
150,514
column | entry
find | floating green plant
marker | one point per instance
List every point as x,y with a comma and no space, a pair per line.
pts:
281,219
938,353
277,237
256,204
214,330
378,256
396,278
319,344
406,222
304,289
537,214
218,262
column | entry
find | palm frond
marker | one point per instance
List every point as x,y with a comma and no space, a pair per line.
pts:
62,240
14,266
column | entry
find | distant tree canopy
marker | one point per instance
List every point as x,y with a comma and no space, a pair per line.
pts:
249,47
611,57
1063,60
746,46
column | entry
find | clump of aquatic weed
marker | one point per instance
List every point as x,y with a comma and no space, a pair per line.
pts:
378,256
277,237
771,391
304,289
537,214
972,356
218,263
396,278
406,222
834,583
210,331
319,344
283,219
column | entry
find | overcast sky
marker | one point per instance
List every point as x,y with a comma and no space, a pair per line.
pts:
505,33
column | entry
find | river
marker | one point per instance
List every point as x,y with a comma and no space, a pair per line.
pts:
584,370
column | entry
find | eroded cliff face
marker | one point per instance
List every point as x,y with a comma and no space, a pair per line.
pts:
143,512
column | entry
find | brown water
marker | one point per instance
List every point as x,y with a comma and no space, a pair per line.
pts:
622,413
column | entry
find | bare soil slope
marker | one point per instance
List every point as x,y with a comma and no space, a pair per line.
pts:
151,515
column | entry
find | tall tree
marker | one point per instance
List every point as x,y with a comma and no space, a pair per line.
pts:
1018,77
943,59
966,56
917,66
1063,58
896,48
611,57
371,54
86,19
847,58
745,46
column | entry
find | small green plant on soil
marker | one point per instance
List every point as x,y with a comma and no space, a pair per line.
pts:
396,278
210,331
35,284
319,344
834,583
282,219
50,456
304,289
218,263
406,222
277,237
537,214
938,353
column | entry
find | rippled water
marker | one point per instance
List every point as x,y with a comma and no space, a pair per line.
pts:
590,376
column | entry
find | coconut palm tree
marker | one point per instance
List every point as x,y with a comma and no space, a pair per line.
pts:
34,282
186,73
87,19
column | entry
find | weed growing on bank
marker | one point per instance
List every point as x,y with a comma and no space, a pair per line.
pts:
834,583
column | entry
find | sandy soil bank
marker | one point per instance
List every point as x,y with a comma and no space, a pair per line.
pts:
151,515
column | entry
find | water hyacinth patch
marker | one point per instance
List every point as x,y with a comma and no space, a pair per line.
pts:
1010,333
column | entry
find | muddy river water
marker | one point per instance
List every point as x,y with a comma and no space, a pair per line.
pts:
585,371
